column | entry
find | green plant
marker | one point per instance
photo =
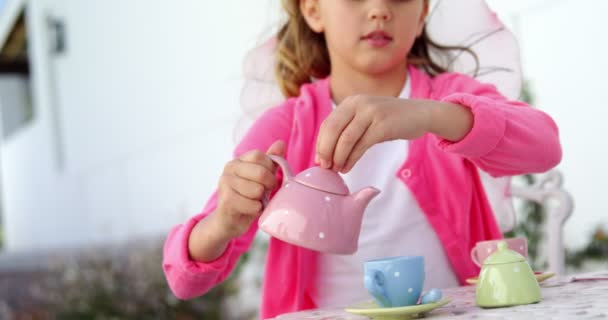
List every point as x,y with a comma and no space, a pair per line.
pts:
111,286
596,249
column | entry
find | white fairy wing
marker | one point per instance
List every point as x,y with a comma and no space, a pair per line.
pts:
471,23
260,90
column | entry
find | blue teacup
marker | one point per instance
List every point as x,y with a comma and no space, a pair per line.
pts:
395,281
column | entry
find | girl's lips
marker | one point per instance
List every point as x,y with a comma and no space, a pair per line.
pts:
378,39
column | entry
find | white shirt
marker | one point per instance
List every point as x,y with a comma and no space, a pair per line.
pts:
393,224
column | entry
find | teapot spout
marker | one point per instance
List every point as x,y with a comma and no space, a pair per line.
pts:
364,196
355,206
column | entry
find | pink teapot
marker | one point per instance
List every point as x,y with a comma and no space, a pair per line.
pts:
316,210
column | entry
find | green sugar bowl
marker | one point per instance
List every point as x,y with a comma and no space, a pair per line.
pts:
506,279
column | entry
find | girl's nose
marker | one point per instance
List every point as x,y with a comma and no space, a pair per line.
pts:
379,11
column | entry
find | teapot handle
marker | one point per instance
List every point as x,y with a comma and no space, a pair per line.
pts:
375,285
287,174
475,257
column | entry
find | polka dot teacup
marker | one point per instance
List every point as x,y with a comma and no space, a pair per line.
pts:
395,281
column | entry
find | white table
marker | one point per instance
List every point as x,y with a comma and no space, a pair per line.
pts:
573,297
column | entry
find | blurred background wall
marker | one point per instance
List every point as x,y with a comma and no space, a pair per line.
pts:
133,105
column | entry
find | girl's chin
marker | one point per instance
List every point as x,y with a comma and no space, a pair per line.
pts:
380,63
380,68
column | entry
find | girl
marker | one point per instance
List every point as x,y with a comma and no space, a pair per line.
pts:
365,98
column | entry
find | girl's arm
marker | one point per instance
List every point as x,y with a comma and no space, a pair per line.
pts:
468,118
188,278
501,137
506,137
447,120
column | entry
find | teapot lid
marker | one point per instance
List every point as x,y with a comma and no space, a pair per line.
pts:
504,255
323,179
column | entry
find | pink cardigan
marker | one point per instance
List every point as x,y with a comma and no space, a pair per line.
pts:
507,138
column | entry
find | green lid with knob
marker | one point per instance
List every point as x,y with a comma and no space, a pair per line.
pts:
506,279
503,255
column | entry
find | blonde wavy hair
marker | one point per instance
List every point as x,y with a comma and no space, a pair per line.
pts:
302,54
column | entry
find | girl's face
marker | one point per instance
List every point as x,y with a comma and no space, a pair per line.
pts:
370,36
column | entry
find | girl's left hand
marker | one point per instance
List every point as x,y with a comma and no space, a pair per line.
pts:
361,121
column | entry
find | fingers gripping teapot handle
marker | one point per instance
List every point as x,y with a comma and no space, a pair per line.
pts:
287,175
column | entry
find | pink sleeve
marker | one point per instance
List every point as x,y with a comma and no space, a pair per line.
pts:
508,137
188,278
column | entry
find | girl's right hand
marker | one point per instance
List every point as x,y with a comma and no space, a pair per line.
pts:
244,184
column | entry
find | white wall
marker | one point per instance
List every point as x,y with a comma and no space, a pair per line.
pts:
145,99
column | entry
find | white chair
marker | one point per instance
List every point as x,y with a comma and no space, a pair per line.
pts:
558,203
